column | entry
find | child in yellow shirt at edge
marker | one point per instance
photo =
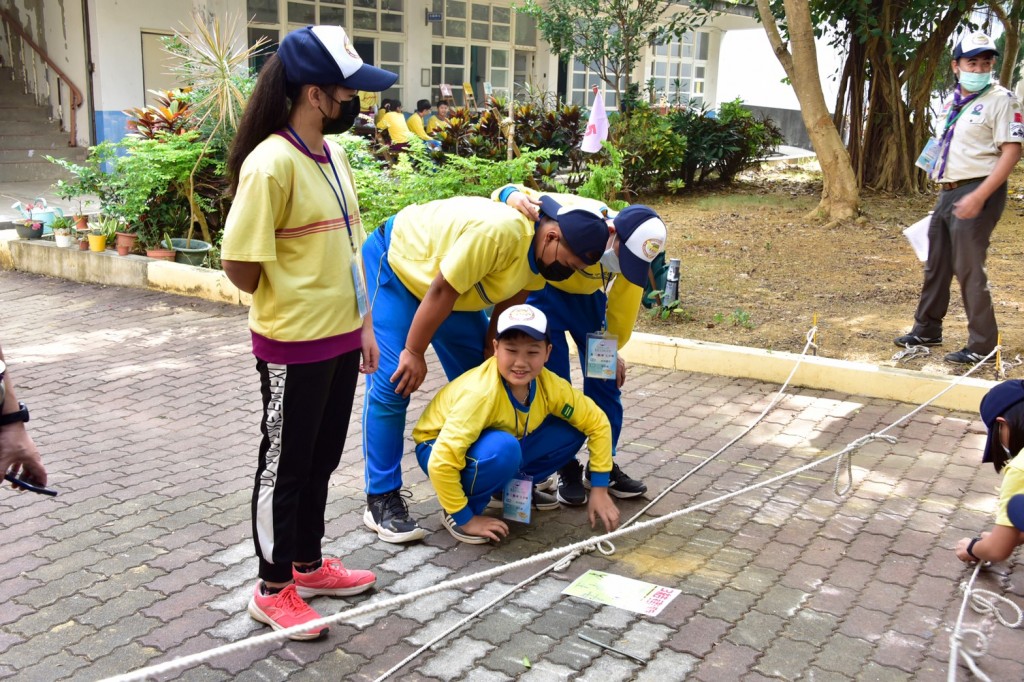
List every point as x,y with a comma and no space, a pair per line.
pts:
507,416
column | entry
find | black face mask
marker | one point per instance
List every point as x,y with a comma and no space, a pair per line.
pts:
349,111
555,271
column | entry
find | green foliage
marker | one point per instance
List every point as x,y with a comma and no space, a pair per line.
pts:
604,181
651,150
724,144
610,35
417,179
741,318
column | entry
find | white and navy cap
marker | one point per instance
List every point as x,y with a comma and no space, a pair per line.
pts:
643,235
974,44
526,319
324,55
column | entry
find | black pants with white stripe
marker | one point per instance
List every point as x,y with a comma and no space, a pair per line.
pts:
306,411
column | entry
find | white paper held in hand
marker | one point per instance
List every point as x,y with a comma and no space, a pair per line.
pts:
917,235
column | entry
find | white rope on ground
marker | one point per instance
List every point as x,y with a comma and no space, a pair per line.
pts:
986,603
910,352
278,636
604,547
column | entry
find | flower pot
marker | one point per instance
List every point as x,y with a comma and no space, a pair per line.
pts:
160,254
62,240
97,242
81,223
189,251
83,244
29,231
125,242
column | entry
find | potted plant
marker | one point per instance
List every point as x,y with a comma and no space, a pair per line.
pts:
124,241
62,227
29,229
103,231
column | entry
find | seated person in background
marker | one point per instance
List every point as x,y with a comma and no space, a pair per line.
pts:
416,121
385,107
395,124
1002,410
440,119
474,436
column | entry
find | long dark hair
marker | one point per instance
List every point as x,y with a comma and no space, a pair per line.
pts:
266,112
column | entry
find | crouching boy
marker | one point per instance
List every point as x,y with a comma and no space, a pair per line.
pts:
509,416
1002,410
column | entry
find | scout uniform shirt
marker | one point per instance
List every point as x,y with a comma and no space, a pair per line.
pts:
623,298
304,309
1013,484
478,400
989,121
484,251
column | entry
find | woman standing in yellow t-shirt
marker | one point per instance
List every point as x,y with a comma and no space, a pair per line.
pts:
295,200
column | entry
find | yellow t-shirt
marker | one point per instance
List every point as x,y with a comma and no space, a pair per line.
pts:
415,124
286,217
395,124
624,297
483,250
1013,484
477,400
435,123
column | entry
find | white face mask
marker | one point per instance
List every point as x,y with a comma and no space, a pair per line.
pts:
610,261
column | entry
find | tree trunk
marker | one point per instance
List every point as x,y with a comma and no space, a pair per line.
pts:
1011,29
840,196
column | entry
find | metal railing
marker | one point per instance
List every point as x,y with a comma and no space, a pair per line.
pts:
36,68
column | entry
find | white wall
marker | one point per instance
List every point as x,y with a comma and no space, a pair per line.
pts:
749,69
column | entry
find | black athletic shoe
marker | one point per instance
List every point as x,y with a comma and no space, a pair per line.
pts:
619,484
966,357
570,485
388,515
915,340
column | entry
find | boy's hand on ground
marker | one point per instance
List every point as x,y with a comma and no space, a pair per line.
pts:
486,527
412,369
601,506
961,551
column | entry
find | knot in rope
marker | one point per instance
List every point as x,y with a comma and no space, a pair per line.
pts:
811,333
864,440
987,603
1008,364
847,460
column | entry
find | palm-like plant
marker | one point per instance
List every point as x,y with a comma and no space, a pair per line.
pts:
215,63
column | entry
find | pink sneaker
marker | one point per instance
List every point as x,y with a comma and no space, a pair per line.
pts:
283,610
332,580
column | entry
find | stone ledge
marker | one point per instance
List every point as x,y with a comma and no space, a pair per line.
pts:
857,378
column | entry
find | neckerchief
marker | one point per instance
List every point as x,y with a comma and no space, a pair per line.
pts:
959,104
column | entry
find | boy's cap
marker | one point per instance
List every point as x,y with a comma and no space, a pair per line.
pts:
585,231
974,44
1015,510
996,402
526,319
323,55
643,235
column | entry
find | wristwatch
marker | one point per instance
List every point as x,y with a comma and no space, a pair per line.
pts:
3,386
21,415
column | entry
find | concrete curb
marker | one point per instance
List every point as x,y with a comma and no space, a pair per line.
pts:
857,378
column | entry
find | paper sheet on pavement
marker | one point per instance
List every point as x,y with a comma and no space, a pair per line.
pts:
622,592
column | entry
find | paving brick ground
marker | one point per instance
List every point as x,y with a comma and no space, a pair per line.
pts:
145,406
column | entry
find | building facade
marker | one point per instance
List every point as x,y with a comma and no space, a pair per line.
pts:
112,49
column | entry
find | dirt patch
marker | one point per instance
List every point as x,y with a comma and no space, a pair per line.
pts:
756,271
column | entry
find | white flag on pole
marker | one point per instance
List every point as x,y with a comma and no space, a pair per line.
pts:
597,126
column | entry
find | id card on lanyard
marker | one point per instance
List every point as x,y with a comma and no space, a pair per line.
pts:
602,351
356,261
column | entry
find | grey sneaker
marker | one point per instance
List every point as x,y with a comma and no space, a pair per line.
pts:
388,515
449,523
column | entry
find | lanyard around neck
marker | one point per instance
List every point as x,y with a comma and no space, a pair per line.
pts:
339,192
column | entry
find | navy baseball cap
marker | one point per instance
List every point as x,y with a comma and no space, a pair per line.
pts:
584,230
996,402
643,234
974,44
324,55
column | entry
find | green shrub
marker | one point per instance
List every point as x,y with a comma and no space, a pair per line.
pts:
651,149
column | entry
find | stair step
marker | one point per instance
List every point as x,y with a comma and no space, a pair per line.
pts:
33,155
24,172
48,139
